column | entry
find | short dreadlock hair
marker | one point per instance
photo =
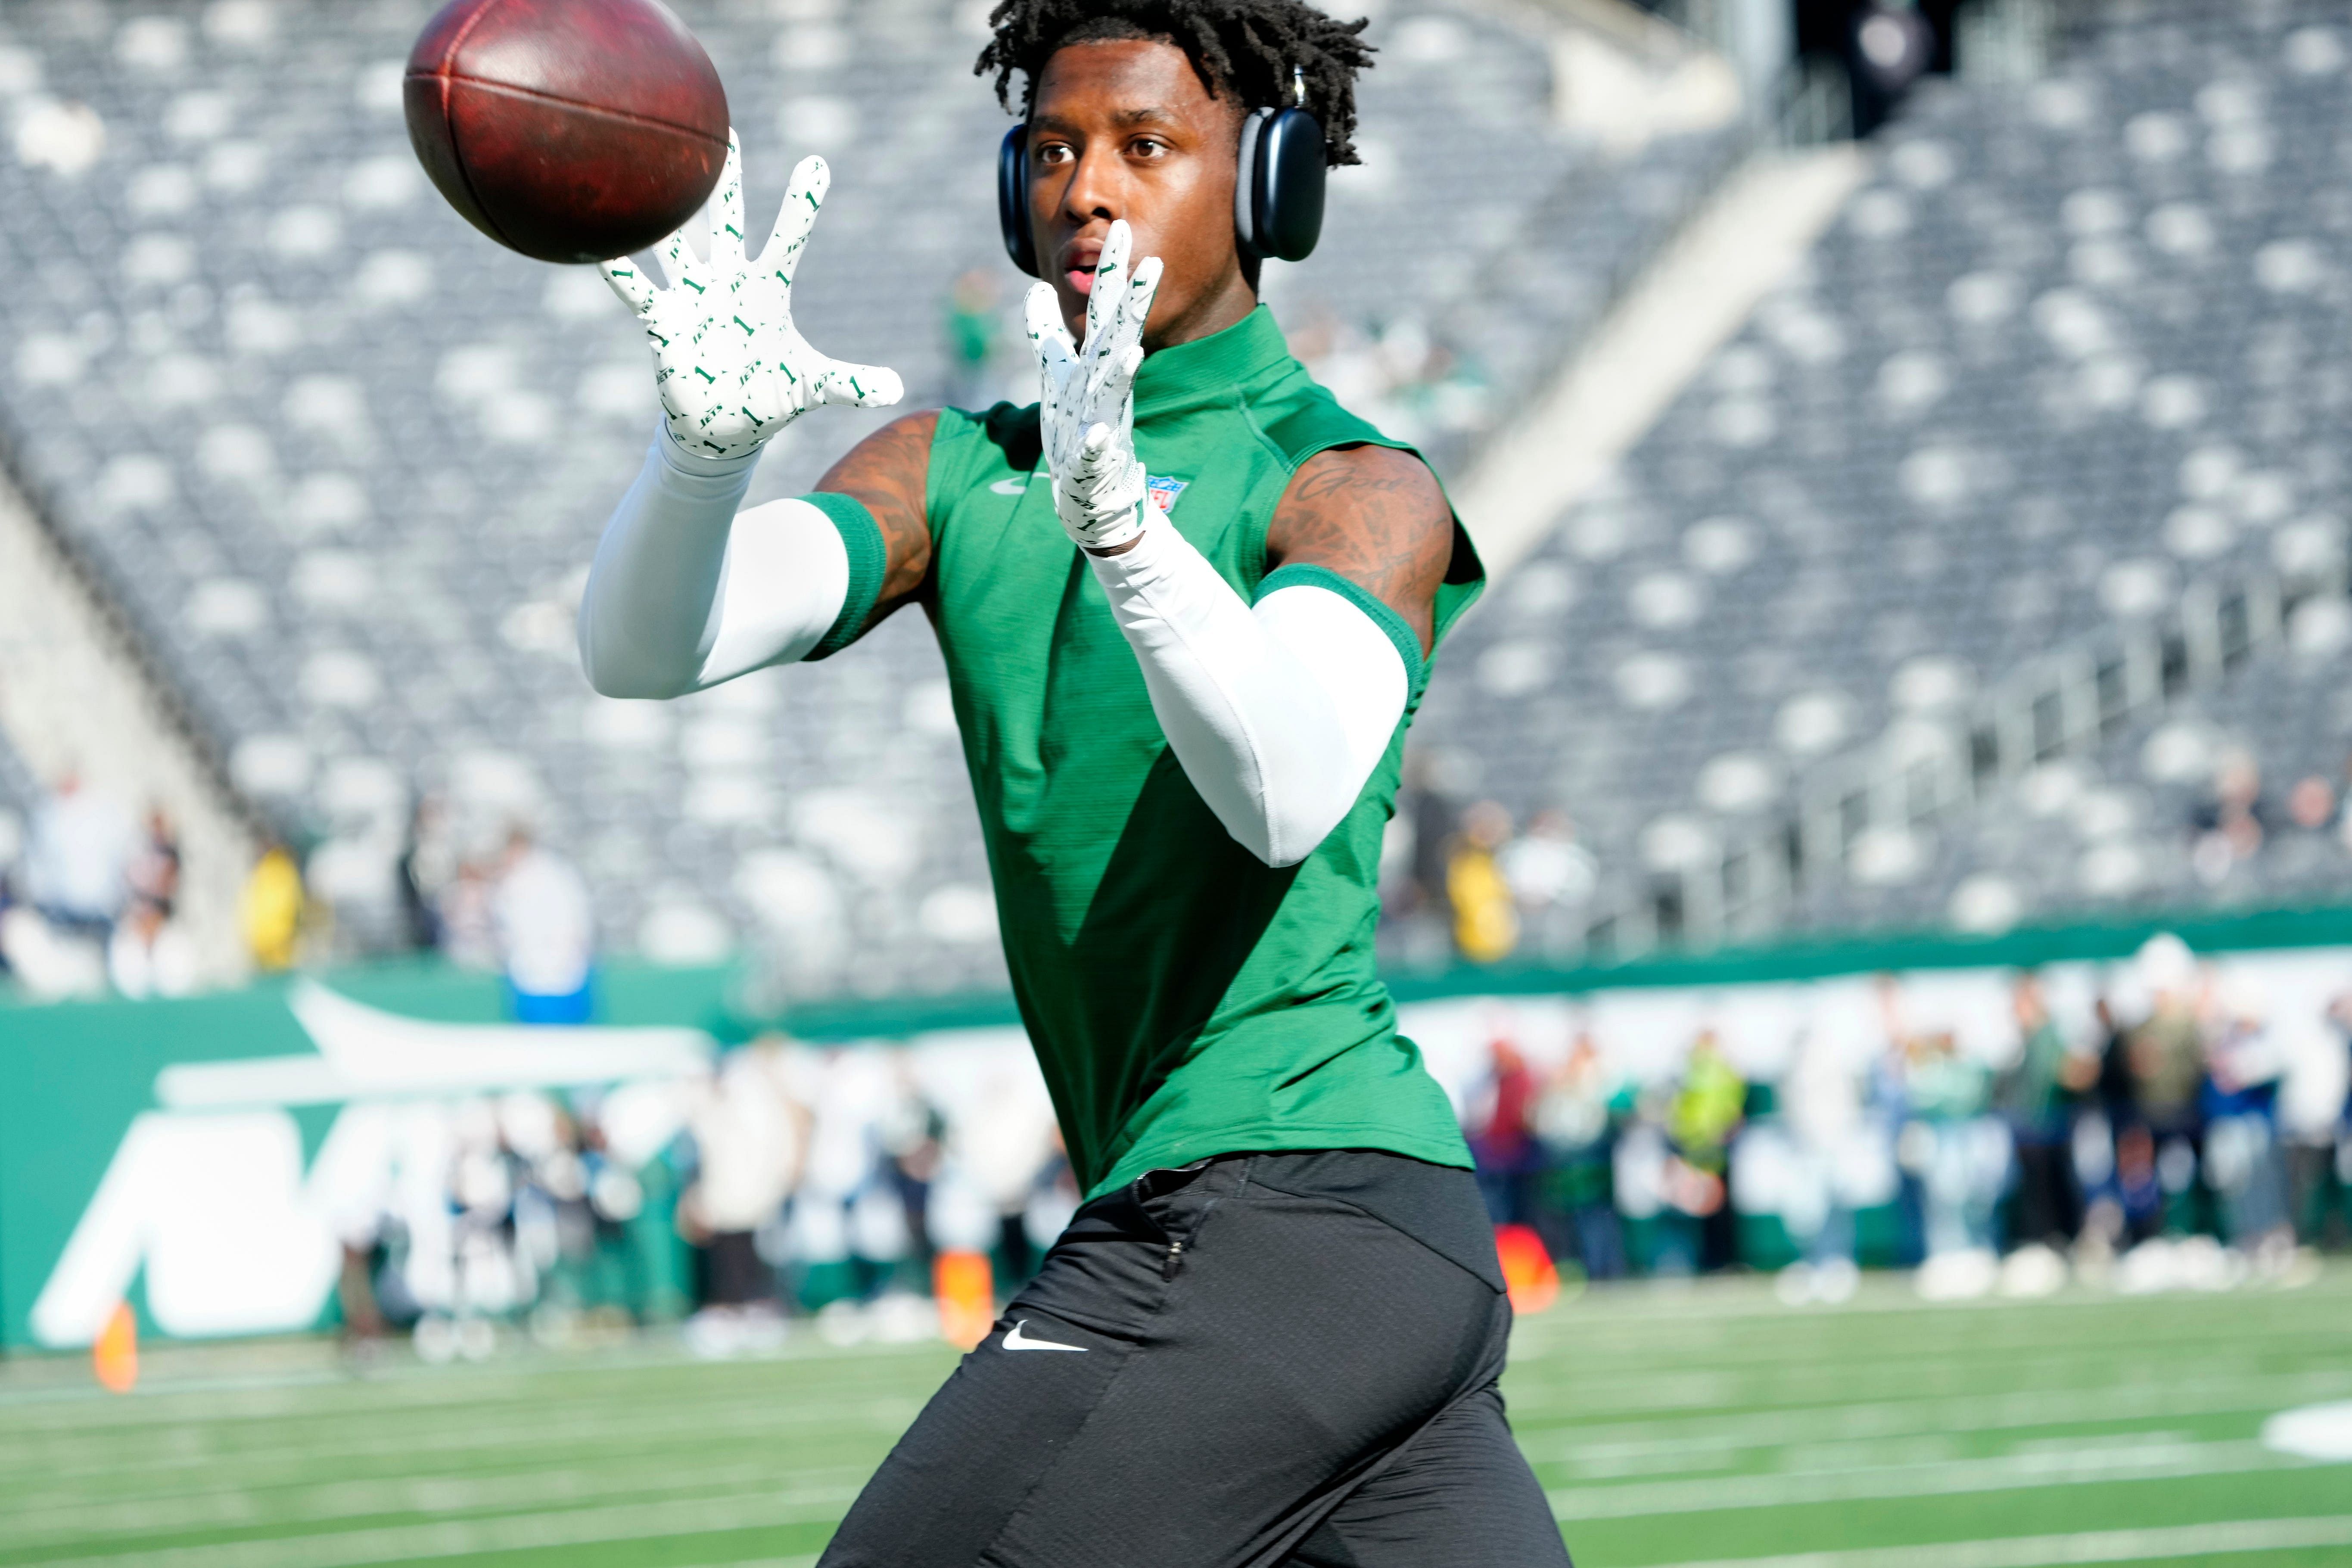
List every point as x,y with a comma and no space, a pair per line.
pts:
1247,47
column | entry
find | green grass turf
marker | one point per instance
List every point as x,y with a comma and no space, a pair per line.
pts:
1669,1426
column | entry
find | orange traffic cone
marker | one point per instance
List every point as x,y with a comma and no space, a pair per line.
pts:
966,1288
1527,1268
115,1355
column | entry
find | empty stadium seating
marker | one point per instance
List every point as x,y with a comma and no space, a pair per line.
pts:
2077,349
344,461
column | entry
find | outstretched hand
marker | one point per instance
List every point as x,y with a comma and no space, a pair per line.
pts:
731,367
1085,398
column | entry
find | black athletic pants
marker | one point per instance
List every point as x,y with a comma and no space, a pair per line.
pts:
1261,1360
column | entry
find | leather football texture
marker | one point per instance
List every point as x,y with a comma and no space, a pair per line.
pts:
572,131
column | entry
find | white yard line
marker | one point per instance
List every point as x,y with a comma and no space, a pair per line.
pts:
2008,1472
1662,1392
1894,1418
508,1532
810,1421
2086,1546
426,1495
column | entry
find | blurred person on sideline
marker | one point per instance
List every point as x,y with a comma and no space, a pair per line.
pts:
2244,1164
2037,1096
1709,1103
2229,827
271,909
2164,1061
1575,1123
1551,877
546,927
972,324
78,859
1960,1153
1485,918
1502,1132
2316,1111
751,1139
1820,1107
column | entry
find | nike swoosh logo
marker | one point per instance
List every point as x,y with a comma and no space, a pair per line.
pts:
1019,1340
1010,487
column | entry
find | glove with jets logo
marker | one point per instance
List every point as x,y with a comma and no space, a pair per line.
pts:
731,367
1085,397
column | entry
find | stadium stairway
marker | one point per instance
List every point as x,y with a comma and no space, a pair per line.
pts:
75,696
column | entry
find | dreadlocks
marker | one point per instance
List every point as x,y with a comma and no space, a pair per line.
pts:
1248,46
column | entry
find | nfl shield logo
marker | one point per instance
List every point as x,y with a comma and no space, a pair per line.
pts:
1163,492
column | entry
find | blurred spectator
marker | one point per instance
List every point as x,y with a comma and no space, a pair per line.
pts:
154,872
546,929
1551,878
77,859
972,325
2307,849
429,864
149,954
1706,1112
2230,827
1485,921
1820,1107
1502,1132
2311,805
1960,1155
1574,1121
2241,1160
2036,1096
468,917
270,910
2164,1056
2344,808
751,1140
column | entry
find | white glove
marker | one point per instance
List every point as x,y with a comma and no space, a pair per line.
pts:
732,368
1085,397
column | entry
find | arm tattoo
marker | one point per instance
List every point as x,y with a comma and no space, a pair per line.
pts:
1377,518
890,471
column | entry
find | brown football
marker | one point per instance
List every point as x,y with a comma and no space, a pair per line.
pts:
568,129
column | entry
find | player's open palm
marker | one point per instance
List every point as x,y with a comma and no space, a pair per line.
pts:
731,367
1085,397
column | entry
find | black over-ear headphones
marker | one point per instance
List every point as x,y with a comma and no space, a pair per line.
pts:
1277,191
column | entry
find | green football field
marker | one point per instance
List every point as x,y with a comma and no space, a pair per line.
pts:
1700,1426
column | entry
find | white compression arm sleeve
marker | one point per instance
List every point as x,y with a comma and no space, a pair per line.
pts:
686,592
1278,713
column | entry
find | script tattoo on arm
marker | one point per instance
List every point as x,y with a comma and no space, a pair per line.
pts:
1377,518
890,471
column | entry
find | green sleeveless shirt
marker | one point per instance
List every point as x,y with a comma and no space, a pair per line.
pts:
1184,999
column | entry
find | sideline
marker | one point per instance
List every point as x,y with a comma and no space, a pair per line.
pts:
2086,1546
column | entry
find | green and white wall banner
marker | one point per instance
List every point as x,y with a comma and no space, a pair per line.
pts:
204,1151
204,1158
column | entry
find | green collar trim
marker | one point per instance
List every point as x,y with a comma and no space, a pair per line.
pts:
1209,369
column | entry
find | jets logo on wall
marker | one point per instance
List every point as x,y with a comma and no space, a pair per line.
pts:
208,1196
